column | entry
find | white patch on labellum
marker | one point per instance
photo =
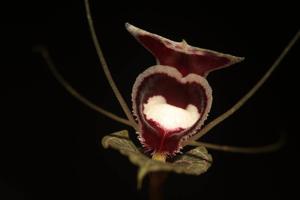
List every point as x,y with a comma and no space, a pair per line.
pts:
168,116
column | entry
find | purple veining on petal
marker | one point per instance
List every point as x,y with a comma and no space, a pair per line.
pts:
187,59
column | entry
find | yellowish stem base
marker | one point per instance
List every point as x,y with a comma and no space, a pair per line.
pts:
159,156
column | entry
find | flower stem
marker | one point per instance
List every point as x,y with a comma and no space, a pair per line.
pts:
156,183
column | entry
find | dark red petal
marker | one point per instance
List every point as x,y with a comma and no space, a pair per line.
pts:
185,58
178,91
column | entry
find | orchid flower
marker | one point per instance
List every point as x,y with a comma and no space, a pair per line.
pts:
171,101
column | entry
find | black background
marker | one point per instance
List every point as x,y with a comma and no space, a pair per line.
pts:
50,141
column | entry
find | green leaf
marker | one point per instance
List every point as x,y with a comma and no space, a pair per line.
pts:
193,162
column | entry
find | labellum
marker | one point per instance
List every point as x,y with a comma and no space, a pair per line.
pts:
172,99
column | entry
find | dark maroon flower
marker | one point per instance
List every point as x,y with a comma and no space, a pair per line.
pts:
172,99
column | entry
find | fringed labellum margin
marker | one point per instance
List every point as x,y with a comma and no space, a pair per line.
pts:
172,99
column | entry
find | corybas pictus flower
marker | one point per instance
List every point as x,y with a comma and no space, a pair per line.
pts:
172,99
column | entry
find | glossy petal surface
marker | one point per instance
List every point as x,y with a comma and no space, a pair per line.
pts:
184,57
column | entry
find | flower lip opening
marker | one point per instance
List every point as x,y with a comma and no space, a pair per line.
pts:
169,117
169,107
